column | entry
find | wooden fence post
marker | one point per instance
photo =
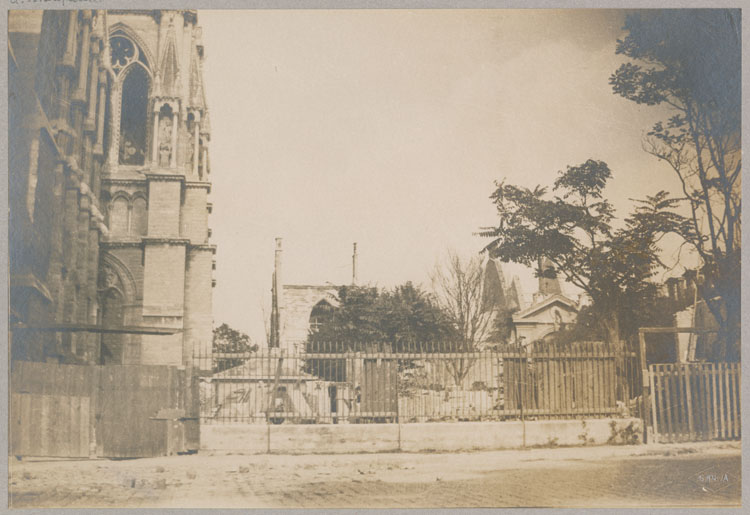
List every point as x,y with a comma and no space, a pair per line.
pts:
652,383
688,395
645,381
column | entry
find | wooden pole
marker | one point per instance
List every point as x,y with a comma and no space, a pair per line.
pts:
645,382
652,380
689,399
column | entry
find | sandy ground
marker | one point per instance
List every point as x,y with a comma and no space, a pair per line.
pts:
705,474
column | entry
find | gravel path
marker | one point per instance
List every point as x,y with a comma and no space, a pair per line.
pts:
659,475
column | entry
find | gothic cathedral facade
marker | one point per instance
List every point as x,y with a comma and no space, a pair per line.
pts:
109,187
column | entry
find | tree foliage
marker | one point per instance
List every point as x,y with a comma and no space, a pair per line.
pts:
401,318
689,61
574,230
230,341
368,319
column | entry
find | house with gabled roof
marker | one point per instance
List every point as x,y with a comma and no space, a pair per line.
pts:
550,310
548,315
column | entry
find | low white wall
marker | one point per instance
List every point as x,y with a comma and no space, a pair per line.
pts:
245,438
467,436
330,438
437,437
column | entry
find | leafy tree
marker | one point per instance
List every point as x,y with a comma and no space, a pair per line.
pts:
367,319
688,60
652,309
230,341
502,325
574,231
403,318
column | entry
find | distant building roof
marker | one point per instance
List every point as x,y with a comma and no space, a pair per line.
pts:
264,369
544,304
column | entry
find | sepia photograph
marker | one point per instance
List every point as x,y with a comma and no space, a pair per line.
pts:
373,257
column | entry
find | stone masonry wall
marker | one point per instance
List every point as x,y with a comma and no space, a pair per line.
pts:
198,320
297,304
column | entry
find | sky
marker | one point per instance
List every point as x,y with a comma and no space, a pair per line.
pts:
389,127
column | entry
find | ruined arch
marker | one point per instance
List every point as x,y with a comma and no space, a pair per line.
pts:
320,313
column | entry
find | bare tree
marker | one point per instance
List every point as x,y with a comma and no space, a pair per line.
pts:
457,284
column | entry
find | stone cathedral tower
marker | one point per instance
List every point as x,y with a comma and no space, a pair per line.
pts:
121,95
157,181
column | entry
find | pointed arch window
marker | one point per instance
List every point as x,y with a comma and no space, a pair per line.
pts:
321,314
130,126
134,117
123,52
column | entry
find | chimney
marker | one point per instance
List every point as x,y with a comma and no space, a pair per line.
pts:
354,265
276,299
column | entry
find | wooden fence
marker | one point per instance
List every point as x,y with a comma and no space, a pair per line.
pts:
583,379
426,384
695,401
108,411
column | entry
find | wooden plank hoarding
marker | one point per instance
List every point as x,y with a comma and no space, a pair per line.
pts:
109,411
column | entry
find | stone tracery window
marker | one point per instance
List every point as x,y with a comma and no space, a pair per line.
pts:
123,52
130,64
134,116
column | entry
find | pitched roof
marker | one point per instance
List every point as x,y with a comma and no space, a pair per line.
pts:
493,291
264,369
544,304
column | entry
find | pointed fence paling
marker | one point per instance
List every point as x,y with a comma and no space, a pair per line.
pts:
695,401
352,382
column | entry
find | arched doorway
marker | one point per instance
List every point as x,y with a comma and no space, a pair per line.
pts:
117,293
112,316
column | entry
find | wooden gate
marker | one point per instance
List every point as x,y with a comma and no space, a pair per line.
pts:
146,411
380,389
124,411
695,401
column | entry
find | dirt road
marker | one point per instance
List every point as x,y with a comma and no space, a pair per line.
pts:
661,475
